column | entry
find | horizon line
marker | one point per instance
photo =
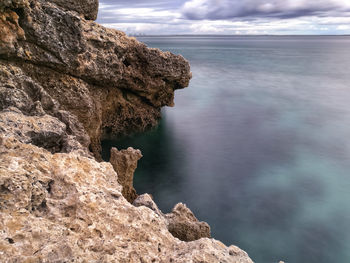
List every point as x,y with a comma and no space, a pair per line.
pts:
234,35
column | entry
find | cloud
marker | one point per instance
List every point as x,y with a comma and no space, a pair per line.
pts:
167,4
137,11
285,17
343,27
283,9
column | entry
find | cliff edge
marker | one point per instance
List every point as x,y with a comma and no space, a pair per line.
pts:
65,83
96,81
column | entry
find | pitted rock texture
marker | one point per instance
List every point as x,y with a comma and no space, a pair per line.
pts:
147,201
44,131
184,225
67,208
112,83
181,222
124,163
13,4
87,8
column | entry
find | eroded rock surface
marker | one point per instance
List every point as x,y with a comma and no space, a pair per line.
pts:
184,225
147,201
181,222
64,207
112,83
87,8
124,163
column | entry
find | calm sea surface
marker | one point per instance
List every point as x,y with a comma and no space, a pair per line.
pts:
258,145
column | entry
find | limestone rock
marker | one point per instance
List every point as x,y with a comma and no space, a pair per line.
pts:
184,225
21,91
147,201
13,4
64,207
181,222
46,131
112,83
87,8
125,163
10,31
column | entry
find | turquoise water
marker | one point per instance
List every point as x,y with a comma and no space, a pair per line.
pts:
258,145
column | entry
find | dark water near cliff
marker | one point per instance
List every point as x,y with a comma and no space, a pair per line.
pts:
259,145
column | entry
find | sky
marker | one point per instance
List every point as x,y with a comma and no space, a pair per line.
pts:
227,17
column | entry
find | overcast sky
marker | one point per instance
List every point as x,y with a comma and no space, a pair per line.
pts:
227,16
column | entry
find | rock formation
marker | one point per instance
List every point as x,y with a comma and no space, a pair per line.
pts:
112,83
65,83
124,163
68,208
184,225
181,222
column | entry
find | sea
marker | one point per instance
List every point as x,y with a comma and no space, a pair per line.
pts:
258,145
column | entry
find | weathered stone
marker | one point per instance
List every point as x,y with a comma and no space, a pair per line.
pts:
147,201
74,127
13,4
124,163
10,32
65,207
21,91
87,8
184,225
181,222
46,131
114,84
98,55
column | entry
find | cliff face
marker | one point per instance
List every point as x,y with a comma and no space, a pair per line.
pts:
111,83
65,82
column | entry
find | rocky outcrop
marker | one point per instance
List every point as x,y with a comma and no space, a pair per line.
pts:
67,208
44,131
111,83
181,222
184,225
124,163
147,201
86,8
65,83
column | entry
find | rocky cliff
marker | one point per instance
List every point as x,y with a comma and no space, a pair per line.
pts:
65,83
94,80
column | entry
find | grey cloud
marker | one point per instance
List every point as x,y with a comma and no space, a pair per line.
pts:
106,16
226,16
161,4
229,9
